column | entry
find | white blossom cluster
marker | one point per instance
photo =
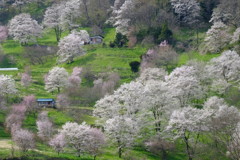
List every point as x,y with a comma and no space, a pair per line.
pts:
24,29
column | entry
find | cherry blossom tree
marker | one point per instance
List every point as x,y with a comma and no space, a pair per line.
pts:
24,139
7,86
146,98
31,104
186,124
115,8
56,79
71,46
44,126
222,124
3,33
58,143
16,117
217,38
225,67
21,3
43,116
24,29
185,85
236,36
76,136
227,12
159,102
123,18
125,100
159,146
26,79
73,9
122,131
75,80
188,11
134,14
95,142
63,101
161,56
234,145
152,74
52,19
224,72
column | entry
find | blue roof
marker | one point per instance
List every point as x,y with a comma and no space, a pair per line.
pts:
45,100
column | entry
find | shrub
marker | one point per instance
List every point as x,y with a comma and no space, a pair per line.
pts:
134,66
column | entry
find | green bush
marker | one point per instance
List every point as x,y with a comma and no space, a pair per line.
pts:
120,40
134,66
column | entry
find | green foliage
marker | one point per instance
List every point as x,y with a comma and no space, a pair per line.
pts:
134,66
159,34
110,34
142,34
207,7
166,34
120,41
232,96
30,122
3,133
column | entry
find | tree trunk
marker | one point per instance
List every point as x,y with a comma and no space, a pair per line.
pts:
164,155
157,123
86,10
58,33
197,36
13,150
120,152
188,148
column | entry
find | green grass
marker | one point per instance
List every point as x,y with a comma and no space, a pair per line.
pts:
193,55
58,118
110,34
49,38
44,152
30,122
3,133
110,60
13,48
89,119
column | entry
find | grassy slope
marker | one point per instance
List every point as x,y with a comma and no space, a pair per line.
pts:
99,59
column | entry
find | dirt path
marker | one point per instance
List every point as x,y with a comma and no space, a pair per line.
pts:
5,144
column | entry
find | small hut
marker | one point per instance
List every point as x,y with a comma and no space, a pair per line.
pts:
49,103
96,40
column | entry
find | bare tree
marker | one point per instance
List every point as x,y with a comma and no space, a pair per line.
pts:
96,141
63,101
31,103
39,54
160,56
159,146
45,127
26,79
24,139
58,143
